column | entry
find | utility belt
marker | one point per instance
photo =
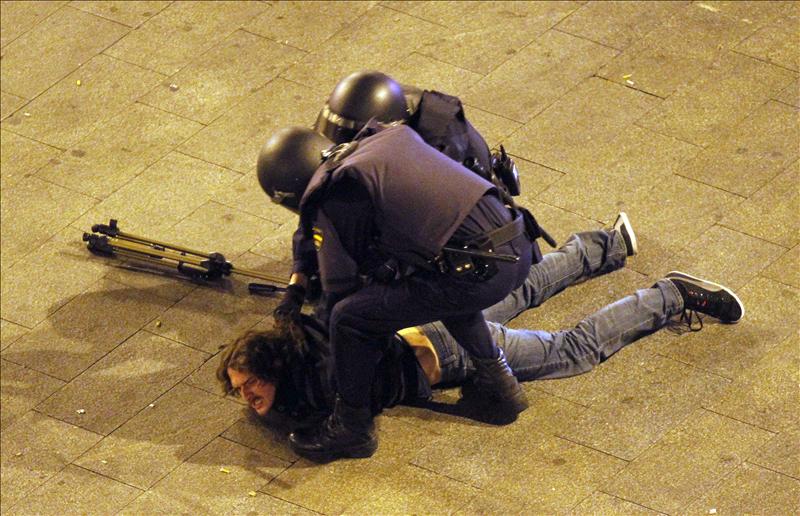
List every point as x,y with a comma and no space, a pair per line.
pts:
476,259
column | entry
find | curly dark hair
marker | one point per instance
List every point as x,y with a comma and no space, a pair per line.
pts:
267,355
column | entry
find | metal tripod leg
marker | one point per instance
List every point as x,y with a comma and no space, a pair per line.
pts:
197,264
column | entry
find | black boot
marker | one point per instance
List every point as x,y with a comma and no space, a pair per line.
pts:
494,391
348,432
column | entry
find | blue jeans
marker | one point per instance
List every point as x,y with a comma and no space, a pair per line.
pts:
536,354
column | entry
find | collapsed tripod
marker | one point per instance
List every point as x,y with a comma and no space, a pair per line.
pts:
108,240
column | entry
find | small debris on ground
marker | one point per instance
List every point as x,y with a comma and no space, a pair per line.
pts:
225,470
251,493
708,7
173,87
78,82
81,411
158,324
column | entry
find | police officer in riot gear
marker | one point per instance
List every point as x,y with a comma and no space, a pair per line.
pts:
400,235
437,117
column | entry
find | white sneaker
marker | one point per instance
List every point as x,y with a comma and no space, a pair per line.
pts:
623,225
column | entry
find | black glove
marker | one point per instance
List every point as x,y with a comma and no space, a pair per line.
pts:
289,308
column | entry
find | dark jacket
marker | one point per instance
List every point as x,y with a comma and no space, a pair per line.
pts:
419,198
307,389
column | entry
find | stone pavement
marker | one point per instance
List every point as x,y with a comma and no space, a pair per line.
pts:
683,114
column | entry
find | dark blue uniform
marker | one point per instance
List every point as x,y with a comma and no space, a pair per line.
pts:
397,198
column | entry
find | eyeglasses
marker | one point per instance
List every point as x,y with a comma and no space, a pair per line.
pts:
237,391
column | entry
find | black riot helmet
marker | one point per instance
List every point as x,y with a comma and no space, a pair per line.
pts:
358,98
287,161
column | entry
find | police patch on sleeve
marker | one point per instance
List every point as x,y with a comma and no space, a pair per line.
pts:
317,237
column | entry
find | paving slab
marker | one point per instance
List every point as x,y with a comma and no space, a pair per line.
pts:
785,269
771,212
534,178
724,95
53,48
47,279
245,194
781,454
494,128
431,74
329,488
169,40
661,222
602,503
634,400
687,462
579,124
751,490
725,256
234,139
618,24
678,51
752,154
359,487
22,389
122,383
776,42
208,318
407,489
34,449
538,75
214,227
729,351
544,473
161,437
625,168
10,103
150,279
10,332
39,209
767,394
19,17
21,158
253,433
752,11
160,196
221,478
222,77
131,14
364,44
80,490
118,150
472,40
69,110
790,94
306,25
205,377
274,251
85,329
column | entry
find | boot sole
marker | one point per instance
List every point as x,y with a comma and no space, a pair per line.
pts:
357,452
683,275
493,411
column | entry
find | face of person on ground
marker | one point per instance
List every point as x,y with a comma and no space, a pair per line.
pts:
258,393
